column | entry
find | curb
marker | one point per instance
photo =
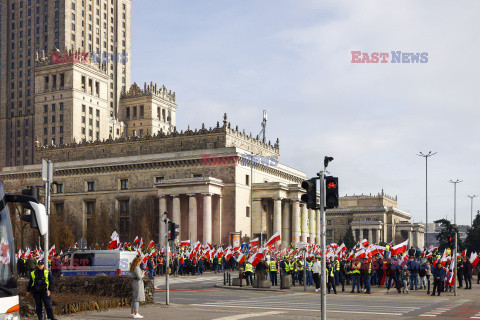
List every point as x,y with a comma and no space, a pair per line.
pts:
249,288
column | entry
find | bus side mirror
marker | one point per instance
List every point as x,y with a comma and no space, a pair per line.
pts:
39,213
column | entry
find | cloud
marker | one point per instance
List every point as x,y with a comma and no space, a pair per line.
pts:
293,59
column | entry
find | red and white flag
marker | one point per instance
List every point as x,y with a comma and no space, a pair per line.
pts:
256,258
255,242
399,248
150,245
474,259
464,253
273,239
219,253
364,242
228,254
241,258
115,241
184,243
136,240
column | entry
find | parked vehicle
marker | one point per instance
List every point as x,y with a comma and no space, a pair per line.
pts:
92,262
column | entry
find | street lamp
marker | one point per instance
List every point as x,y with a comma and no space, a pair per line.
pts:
426,156
455,224
471,209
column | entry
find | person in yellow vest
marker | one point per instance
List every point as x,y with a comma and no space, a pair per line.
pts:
449,252
40,285
356,266
273,271
387,251
300,270
330,276
293,270
249,273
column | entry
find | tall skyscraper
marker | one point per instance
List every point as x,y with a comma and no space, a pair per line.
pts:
31,27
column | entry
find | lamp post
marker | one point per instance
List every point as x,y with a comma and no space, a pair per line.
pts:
426,156
471,209
455,224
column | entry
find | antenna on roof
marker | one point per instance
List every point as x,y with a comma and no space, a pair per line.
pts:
264,126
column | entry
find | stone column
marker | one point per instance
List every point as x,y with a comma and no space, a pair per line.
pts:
354,231
162,205
295,222
370,238
318,226
207,218
286,224
311,225
221,218
257,216
192,217
176,213
277,216
304,223
410,238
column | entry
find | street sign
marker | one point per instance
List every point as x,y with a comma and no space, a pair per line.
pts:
47,170
82,243
301,245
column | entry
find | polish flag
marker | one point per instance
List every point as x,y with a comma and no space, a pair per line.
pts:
141,243
208,246
228,254
184,243
197,245
219,253
474,259
360,253
364,242
27,253
405,258
114,243
273,239
136,240
255,242
399,248
150,245
464,253
237,248
51,252
256,258
241,258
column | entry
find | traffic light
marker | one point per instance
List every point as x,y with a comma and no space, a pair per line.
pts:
173,230
32,191
331,192
310,197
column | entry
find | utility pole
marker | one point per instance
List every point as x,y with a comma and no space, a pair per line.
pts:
455,225
167,286
471,209
47,177
323,241
426,156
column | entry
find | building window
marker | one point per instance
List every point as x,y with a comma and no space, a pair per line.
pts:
329,222
247,180
90,186
159,179
197,175
59,208
247,212
59,188
90,207
329,233
124,206
124,184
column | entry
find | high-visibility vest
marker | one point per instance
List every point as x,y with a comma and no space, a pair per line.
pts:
355,271
45,274
337,266
300,265
387,248
248,267
369,268
331,273
309,266
287,266
292,266
220,261
273,265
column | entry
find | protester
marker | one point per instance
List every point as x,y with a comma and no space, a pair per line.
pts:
41,285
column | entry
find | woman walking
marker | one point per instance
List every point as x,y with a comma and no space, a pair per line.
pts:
138,289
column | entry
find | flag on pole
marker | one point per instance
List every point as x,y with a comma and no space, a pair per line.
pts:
399,248
474,259
241,258
115,240
184,243
255,242
273,239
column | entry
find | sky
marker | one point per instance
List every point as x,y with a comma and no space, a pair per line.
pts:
293,58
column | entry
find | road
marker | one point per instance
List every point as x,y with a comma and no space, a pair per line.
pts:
198,298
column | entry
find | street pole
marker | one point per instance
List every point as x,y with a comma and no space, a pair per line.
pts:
305,269
323,244
455,225
167,287
251,197
426,156
471,209
47,177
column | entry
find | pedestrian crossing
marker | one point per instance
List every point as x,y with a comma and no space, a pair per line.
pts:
476,316
440,311
308,302
215,278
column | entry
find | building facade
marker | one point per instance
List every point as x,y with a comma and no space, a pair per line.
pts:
375,218
28,27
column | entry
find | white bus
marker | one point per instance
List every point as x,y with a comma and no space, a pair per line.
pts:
9,301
